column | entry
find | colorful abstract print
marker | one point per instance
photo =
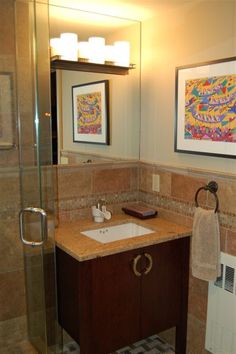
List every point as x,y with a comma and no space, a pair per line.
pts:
210,109
89,120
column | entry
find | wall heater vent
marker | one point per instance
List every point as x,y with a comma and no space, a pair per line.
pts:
221,310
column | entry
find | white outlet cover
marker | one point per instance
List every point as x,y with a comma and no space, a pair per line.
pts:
156,183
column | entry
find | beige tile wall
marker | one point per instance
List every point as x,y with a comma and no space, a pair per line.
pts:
81,186
175,201
12,290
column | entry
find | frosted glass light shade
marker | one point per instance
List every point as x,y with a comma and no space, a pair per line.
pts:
97,46
56,47
122,53
69,46
83,50
97,41
110,53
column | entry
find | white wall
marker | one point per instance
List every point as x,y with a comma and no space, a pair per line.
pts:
176,36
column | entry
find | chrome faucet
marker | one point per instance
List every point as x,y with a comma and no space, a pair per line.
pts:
100,212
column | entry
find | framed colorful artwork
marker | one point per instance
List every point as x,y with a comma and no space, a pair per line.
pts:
6,111
90,107
206,108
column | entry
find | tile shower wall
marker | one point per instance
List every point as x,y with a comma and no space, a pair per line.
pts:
13,325
12,290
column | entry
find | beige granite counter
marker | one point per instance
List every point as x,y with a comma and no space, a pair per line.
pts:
70,239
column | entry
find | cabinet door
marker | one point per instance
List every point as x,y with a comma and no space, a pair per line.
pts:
68,292
110,305
164,288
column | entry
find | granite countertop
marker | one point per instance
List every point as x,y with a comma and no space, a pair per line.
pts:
70,239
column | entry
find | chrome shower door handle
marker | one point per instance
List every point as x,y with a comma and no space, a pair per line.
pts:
43,224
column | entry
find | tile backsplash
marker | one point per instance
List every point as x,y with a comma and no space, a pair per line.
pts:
80,187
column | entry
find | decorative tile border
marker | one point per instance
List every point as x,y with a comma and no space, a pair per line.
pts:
178,187
186,209
89,200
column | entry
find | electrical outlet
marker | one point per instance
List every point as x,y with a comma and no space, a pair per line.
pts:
156,183
64,160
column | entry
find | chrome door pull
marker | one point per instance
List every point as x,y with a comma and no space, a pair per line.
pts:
44,226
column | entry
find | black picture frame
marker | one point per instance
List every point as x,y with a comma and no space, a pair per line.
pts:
90,109
205,100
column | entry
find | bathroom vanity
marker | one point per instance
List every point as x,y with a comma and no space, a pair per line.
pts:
111,295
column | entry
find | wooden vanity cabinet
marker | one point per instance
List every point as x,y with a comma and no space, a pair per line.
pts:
164,291
104,306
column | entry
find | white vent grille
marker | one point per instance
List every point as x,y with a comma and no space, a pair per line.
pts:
221,311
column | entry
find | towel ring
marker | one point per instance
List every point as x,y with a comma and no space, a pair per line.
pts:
211,187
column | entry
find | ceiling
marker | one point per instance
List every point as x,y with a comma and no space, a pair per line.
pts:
131,9
85,24
102,16
89,20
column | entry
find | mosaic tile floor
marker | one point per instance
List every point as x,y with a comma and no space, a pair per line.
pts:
151,345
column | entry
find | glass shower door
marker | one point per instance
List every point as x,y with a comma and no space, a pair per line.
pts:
36,172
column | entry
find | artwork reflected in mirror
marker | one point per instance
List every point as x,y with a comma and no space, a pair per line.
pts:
90,108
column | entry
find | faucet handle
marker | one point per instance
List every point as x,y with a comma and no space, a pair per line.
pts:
101,203
104,208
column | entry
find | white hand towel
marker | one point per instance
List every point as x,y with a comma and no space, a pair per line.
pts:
205,245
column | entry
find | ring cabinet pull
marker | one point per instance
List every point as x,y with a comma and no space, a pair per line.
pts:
135,262
149,267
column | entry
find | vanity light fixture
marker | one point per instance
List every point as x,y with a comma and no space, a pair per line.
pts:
83,51
94,51
55,45
97,50
122,53
69,42
109,54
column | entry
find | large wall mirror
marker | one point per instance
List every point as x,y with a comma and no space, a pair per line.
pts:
124,90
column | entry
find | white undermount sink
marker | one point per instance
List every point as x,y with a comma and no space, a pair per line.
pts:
117,232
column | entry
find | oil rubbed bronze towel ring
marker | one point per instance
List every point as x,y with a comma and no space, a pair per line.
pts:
211,187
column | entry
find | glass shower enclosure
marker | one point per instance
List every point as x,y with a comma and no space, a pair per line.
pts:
28,315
